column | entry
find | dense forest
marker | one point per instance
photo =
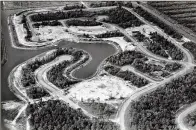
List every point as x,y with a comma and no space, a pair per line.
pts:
117,15
157,22
56,115
126,75
58,15
162,47
70,7
122,18
125,58
25,25
157,110
77,22
55,75
139,36
99,109
191,46
3,51
111,3
47,23
191,119
110,34
105,3
36,92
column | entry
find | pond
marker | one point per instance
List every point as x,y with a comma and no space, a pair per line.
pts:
98,52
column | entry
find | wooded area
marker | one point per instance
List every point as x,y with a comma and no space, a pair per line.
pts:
56,115
126,75
157,110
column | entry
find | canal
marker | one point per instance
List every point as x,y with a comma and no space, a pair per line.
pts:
98,52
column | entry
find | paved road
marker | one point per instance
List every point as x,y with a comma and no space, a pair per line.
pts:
188,66
41,77
181,116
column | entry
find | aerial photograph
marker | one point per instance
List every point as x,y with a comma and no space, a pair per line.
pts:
98,65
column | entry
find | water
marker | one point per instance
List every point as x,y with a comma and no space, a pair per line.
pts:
98,52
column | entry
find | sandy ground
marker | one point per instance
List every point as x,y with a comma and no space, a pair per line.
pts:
122,43
144,29
50,33
101,88
91,30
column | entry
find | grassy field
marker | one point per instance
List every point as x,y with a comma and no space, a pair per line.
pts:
183,12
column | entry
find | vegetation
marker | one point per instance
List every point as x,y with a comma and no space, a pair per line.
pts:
126,75
102,4
162,47
60,15
139,36
110,34
47,23
28,77
55,115
125,58
139,61
70,7
157,22
191,119
191,46
36,92
9,114
55,75
99,109
76,22
171,67
25,25
157,110
3,51
118,16
122,18
111,3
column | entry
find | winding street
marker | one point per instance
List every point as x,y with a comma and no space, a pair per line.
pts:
187,67
181,116
188,64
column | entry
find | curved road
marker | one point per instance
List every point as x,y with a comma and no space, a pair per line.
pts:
188,66
181,116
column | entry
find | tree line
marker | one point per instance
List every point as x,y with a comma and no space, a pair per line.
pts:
122,18
56,115
36,92
126,75
55,75
76,22
157,110
100,109
70,7
47,23
109,34
105,3
25,25
191,119
162,47
58,15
